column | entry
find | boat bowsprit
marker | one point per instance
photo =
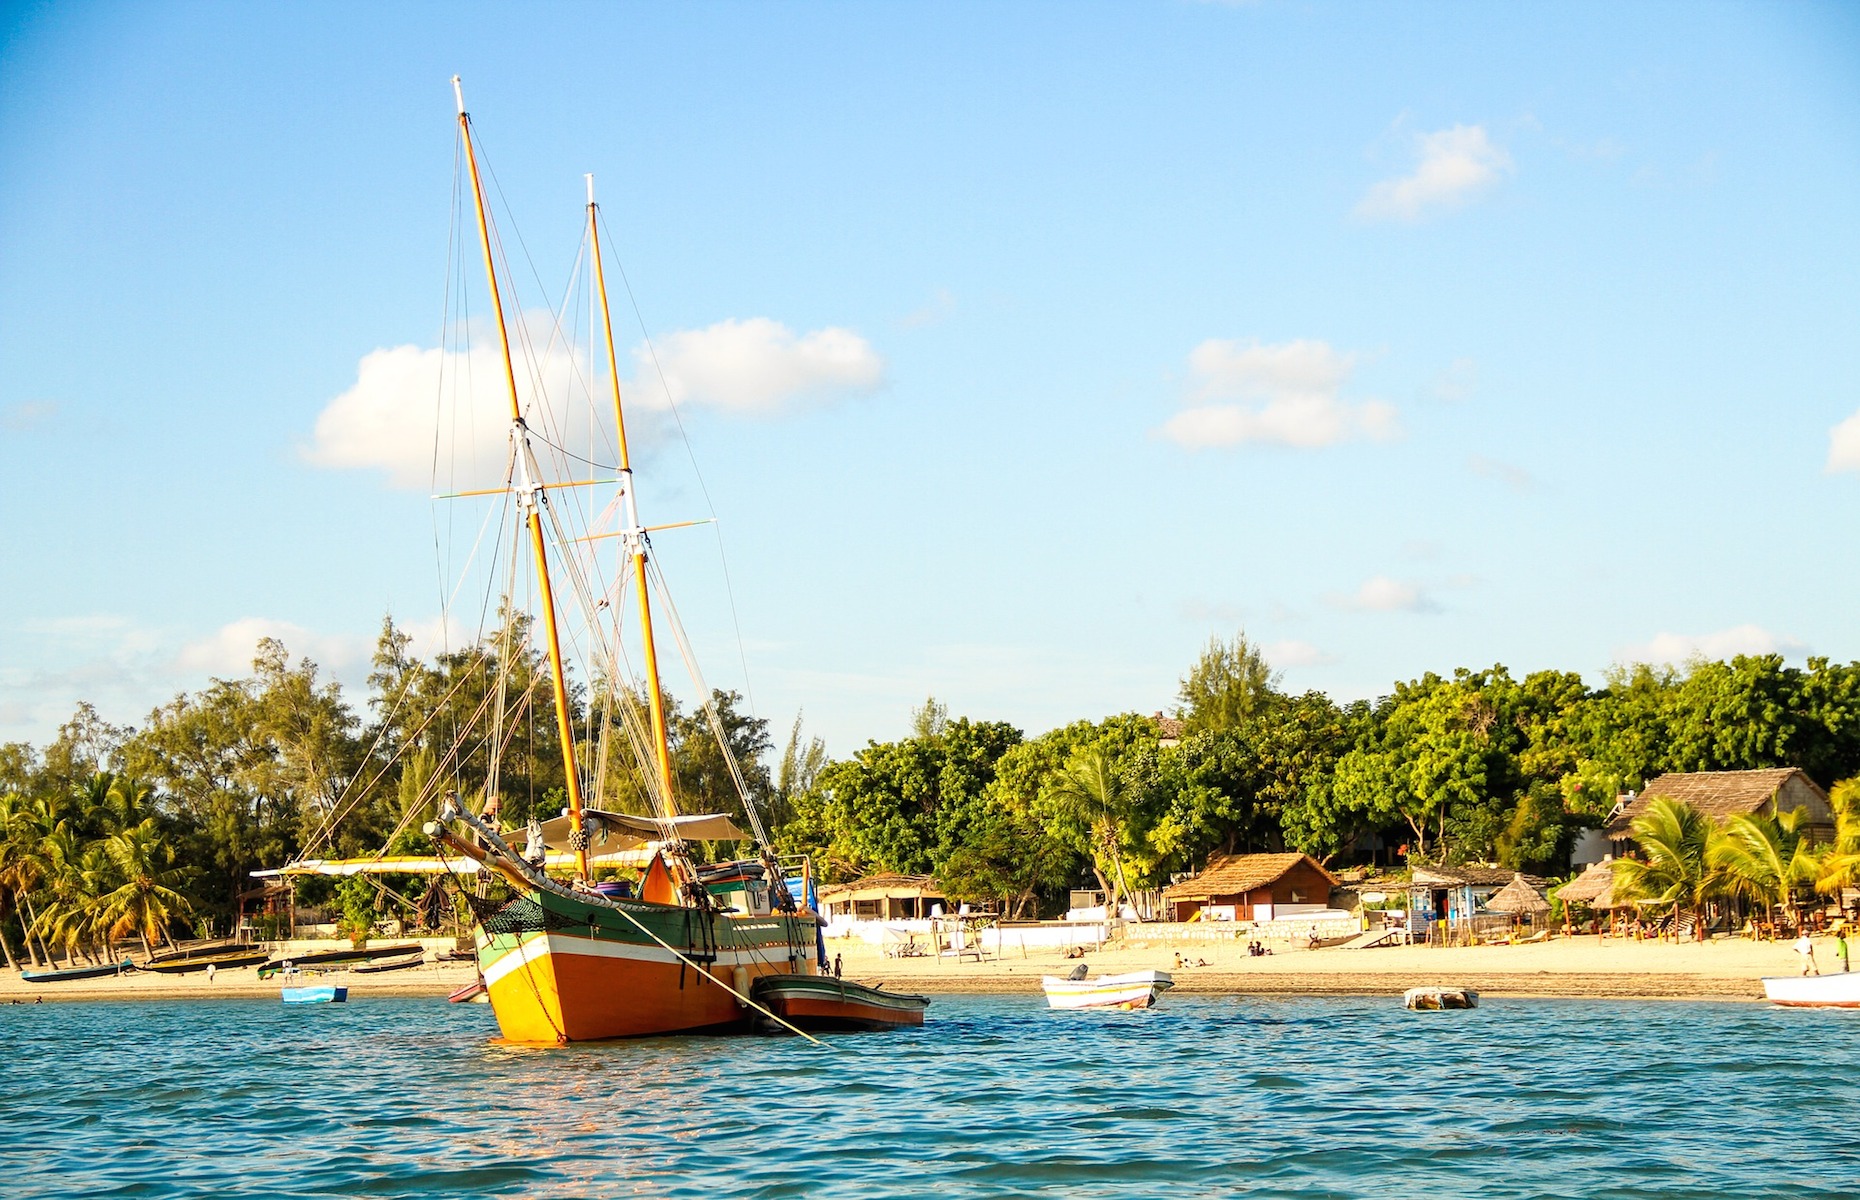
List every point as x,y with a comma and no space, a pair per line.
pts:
821,1002
1131,990
1814,991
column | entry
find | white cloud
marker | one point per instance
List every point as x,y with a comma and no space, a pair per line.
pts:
1294,653
1516,478
1379,593
228,652
1458,382
1283,394
404,395
401,395
1455,165
760,367
1844,445
1679,649
27,415
940,307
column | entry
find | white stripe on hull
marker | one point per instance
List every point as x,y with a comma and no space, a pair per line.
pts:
538,945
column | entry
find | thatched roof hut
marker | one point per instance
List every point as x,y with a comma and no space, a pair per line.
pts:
1722,794
1594,888
1251,887
1518,897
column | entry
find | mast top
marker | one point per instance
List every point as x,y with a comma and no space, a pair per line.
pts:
458,93
590,178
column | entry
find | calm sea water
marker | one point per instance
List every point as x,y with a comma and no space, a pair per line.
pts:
996,1096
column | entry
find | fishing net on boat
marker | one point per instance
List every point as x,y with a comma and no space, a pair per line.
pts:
522,915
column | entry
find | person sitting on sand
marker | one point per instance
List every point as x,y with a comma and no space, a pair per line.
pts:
1805,946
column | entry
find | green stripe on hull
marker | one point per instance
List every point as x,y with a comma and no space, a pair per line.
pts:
686,930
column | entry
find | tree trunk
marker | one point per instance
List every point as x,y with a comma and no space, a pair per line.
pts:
1104,885
12,963
33,918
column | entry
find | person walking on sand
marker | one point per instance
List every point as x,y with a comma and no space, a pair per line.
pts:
1805,946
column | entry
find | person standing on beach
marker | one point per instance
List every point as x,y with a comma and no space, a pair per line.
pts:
1840,947
1806,948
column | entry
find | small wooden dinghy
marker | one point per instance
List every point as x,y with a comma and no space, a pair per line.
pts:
1435,999
823,1002
472,993
321,993
1809,991
70,973
1132,990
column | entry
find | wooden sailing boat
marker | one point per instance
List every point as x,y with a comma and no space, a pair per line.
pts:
569,960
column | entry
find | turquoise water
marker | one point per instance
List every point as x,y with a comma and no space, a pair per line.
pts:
995,1096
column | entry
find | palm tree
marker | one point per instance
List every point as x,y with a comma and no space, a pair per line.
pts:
145,899
126,803
1840,863
65,876
11,806
1092,788
1765,858
1676,840
21,866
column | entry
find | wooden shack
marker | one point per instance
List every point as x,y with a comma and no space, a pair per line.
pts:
1251,887
882,898
1721,794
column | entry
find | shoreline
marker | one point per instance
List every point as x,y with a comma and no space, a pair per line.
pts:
1292,984
1582,967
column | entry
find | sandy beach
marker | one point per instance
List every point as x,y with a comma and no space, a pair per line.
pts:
433,979
1594,967
1584,966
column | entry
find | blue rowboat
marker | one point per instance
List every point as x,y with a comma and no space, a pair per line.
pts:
97,972
322,993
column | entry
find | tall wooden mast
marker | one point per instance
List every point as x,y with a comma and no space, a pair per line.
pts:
634,534
531,498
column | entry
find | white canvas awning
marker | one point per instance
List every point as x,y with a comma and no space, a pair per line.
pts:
624,831
413,864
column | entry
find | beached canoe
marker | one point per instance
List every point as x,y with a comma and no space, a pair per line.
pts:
321,993
1814,991
70,973
389,964
1134,989
219,962
823,1002
320,958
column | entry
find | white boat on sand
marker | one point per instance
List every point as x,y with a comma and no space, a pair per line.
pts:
1814,991
1134,989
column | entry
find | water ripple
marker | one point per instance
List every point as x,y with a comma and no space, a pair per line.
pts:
995,1097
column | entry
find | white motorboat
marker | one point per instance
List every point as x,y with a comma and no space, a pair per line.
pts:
1134,989
1814,991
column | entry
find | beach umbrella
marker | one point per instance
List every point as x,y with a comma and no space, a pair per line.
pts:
1594,888
1518,897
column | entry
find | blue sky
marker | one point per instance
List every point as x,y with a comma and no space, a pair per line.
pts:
1023,348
